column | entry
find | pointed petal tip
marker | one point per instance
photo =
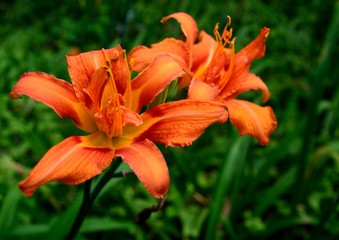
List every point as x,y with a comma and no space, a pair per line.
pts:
27,191
14,95
162,192
265,30
149,165
159,192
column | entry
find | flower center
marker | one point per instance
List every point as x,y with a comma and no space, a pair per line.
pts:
109,118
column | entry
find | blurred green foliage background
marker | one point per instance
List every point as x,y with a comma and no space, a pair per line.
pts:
223,186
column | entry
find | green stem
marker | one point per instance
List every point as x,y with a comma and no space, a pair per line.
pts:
90,196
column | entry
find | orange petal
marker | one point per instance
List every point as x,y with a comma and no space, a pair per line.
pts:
148,164
184,81
188,26
203,53
141,57
91,96
199,90
180,123
149,83
256,49
250,82
121,72
130,118
74,160
83,66
243,60
252,119
111,80
57,94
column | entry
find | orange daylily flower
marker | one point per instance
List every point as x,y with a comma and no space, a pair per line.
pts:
103,101
215,73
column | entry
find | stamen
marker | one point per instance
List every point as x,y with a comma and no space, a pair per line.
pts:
216,33
229,71
115,113
226,36
226,41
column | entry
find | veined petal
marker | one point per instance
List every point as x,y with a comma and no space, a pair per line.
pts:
243,60
254,50
83,66
181,122
149,83
74,160
188,26
148,164
252,119
141,57
121,72
215,73
57,94
92,95
251,82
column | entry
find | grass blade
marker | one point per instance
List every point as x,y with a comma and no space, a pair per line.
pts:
8,211
236,155
326,56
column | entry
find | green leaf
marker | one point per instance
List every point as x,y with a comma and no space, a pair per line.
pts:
268,197
192,219
8,211
61,226
30,230
97,224
322,71
237,154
